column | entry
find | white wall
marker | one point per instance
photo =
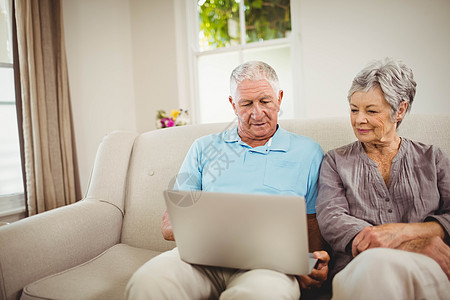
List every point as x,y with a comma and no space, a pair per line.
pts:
99,56
123,66
154,59
340,37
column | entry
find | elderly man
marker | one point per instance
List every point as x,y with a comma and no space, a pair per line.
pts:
261,158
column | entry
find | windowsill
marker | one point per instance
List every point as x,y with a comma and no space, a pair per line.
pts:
11,205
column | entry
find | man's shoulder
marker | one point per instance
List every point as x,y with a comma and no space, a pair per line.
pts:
215,138
302,141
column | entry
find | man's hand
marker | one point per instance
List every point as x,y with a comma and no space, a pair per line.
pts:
318,275
166,227
433,247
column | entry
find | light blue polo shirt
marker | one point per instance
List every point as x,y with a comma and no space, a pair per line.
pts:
288,164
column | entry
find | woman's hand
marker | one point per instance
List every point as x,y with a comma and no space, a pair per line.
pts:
386,235
433,247
166,227
318,275
392,235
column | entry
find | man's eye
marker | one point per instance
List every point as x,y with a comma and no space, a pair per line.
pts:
354,110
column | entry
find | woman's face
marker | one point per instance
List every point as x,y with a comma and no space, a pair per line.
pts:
371,117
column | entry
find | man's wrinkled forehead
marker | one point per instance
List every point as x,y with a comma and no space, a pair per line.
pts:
254,89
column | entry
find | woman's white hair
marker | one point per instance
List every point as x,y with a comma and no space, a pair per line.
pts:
255,71
395,79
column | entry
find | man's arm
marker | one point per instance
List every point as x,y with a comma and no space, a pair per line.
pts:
166,227
318,275
315,239
316,243
188,178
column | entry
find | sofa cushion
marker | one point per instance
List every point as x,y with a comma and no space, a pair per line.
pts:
104,277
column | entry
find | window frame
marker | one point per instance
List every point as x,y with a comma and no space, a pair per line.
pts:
194,53
12,206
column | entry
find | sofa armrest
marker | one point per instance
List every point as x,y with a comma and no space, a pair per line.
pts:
53,241
110,172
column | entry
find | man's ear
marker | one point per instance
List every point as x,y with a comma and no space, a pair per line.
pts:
280,97
401,111
232,104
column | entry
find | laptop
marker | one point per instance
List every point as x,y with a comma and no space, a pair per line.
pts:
242,231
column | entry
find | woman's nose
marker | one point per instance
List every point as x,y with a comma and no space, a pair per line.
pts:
361,118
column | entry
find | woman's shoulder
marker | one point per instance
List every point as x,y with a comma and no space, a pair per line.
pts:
420,149
347,151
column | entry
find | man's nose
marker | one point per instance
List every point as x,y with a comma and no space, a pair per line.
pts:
257,112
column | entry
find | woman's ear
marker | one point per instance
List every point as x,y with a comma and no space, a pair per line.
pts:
401,111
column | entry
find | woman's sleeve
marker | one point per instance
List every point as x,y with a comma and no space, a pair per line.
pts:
443,182
336,224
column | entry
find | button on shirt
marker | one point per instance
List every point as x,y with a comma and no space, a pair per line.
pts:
287,164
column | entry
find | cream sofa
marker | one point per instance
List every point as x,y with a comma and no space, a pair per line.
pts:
90,249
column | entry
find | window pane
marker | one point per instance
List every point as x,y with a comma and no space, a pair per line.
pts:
5,36
214,87
219,23
7,85
267,20
279,57
10,164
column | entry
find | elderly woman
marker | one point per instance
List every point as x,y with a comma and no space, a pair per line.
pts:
384,201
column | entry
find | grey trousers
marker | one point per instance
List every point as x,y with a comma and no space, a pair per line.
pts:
383,273
166,276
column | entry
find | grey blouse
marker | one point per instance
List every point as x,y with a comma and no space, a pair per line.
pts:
352,193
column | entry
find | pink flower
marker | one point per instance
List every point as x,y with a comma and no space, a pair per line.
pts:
167,122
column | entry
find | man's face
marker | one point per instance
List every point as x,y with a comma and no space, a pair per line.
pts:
256,106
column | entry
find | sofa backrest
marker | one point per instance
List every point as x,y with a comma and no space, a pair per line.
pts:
157,156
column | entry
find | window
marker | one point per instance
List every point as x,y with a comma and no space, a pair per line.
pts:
226,33
11,184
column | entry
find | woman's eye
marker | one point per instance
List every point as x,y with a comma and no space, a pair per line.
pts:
372,112
354,110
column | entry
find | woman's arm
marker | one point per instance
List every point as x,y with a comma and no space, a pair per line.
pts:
393,235
408,235
336,224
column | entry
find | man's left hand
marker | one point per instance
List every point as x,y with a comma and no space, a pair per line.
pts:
318,275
